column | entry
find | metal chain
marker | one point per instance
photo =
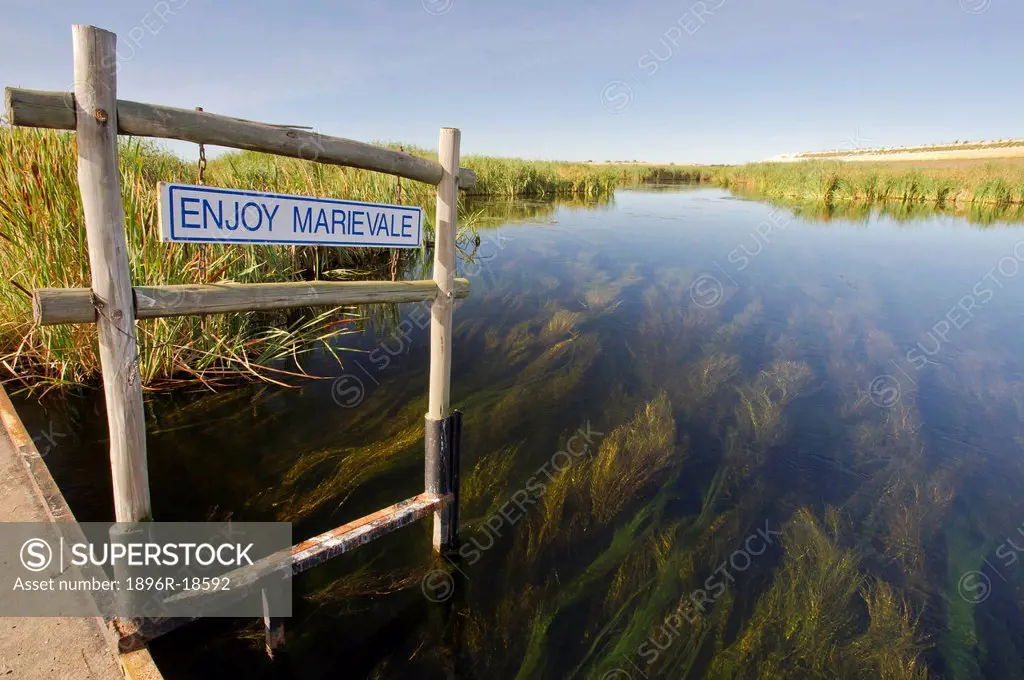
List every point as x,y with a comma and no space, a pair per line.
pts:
398,183
398,201
202,180
202,157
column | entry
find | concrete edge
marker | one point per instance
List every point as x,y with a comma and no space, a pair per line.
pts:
136,665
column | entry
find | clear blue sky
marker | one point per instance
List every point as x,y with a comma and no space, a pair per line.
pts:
535,78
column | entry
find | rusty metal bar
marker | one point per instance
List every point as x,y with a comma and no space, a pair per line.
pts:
133,633
321,548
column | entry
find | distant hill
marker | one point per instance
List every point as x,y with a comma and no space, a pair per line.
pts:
1000,148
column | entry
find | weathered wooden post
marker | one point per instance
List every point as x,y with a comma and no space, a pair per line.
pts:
439,476
99,181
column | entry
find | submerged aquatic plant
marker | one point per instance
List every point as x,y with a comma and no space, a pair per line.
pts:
560,323
481,488
764,400
809,622
551,522
365,581
632,457
505,628
629,461
328,475
707,380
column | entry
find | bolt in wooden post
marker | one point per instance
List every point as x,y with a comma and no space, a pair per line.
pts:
445,535
99,182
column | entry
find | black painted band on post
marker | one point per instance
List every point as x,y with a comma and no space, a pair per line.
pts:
453,467
443,443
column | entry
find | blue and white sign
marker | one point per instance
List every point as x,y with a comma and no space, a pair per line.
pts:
196,214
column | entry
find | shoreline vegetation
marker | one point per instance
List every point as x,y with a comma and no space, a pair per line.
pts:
956,184
43,237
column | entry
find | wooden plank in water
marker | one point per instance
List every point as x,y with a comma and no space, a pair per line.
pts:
53,306
56,110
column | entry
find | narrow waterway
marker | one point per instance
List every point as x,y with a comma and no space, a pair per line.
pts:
703,435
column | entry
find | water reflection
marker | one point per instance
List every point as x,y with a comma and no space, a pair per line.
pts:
750,499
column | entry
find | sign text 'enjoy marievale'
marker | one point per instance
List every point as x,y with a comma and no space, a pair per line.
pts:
199,214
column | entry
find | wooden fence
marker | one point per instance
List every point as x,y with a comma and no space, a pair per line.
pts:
97,116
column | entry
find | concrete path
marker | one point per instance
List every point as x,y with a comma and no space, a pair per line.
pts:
45,648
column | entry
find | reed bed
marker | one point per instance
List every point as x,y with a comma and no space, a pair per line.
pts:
634,174
42,230
43,234
998,183
515,178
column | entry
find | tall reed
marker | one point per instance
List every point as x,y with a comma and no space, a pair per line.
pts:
42,229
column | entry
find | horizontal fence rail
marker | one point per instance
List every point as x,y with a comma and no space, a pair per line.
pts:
53,306
56,110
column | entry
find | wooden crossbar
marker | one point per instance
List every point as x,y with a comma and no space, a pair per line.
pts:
52,306
56,110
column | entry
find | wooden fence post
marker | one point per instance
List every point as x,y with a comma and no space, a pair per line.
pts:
437,465
99,181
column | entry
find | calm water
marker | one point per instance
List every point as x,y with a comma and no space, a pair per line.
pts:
796,451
